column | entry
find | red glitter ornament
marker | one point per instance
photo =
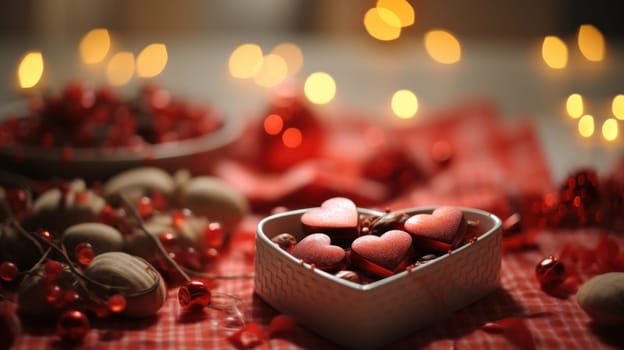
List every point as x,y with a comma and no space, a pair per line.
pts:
194,294
84,253
550,273
72,326
8,271
116,303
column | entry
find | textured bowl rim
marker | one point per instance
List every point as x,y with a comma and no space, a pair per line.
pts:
229,131
496,225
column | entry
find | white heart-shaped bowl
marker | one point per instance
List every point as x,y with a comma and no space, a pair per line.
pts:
366,316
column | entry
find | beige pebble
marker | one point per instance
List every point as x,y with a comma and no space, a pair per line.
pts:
602,298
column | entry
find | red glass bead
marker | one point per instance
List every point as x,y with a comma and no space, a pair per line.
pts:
550,272
214,234
117,303
84,253
52,270
194,293
144,207
72,326
8,271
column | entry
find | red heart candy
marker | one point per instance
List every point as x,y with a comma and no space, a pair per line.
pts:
382,255
441,230
317,249
338,217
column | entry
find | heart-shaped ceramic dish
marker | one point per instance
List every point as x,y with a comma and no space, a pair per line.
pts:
372,315
196,154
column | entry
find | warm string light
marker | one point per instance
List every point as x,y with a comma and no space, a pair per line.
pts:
30,69
120,68
248,61
586,124
443,46
95,45
320,88
554,52
152,60
591,43
385,21
404,104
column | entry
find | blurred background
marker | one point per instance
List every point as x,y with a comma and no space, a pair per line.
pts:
525,56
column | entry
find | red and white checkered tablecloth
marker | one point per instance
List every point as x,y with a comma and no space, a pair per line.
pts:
553,323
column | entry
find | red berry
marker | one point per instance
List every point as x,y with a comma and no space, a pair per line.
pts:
550,272
190,258
116,303
17,200
248,337
72,326
194,294
8,271
81,197
214,235
169,240
84,253
46,235
52,270
178,217
144,207
54,294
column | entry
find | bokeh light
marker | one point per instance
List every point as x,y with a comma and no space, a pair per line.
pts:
401,8
574,105
292,55
586,125
120,68
95,45
245,61
443,46
382,24
591,43
610,129
152,60
30,69
554,52
320,88
617,107
404,104
292,137
272,72
273,124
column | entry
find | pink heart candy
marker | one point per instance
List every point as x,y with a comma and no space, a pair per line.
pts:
389,251
338,217
441,230
317,249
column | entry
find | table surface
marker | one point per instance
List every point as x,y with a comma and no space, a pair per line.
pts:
510,76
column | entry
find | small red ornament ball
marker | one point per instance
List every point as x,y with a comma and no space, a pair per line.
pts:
8,271
550,272
72,326
194,293
84,253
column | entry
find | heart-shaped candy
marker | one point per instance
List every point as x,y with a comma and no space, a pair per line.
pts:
383,255
440,231
317,249
337,217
